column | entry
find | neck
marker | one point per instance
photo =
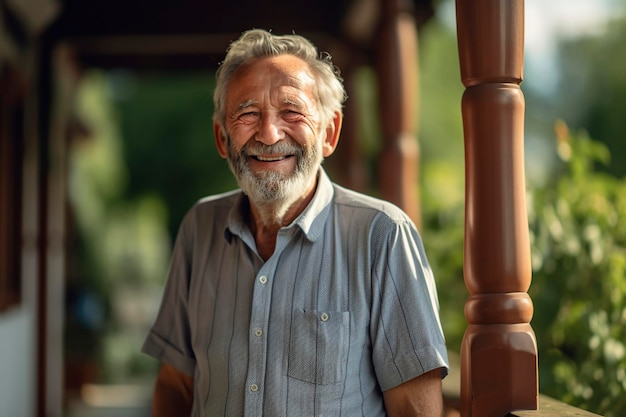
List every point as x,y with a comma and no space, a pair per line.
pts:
267,218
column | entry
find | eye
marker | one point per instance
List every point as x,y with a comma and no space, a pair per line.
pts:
248,117
292,115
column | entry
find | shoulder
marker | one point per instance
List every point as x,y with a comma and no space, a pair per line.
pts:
379,222
210,210
205,223
226,199
215,203
362,207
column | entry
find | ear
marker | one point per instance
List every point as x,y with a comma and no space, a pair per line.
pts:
332,135
220,140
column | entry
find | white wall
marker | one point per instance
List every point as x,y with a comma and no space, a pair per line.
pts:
17,363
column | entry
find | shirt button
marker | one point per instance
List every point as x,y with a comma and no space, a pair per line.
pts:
324,317
263,279
254,387
258,332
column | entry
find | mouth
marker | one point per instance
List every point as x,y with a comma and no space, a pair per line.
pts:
270,158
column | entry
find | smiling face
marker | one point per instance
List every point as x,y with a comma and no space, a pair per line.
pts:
274,137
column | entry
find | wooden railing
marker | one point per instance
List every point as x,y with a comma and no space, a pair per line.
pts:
547,407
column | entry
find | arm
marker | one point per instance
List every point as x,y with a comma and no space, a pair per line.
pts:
173,393
418,397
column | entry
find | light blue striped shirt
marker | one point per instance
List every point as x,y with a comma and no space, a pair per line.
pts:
344,309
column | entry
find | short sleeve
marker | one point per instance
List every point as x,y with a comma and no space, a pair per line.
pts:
405,328
169,339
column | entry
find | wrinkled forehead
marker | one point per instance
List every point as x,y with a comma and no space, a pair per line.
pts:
285,72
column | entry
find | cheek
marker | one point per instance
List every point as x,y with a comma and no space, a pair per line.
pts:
306,134
239,136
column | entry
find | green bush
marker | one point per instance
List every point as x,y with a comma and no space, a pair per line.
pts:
578,238
577,222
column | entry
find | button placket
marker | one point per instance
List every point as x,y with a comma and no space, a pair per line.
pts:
257,351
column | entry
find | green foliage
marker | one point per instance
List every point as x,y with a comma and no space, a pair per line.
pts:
166,121
578,235
149,156
592,90
443,240
442,172
440,122
577,226
120,246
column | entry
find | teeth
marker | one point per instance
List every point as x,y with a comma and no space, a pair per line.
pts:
270,159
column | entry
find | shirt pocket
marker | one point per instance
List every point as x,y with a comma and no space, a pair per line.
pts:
318,347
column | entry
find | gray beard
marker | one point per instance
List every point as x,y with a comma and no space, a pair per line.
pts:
270,187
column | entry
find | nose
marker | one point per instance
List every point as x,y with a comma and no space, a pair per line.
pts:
270,130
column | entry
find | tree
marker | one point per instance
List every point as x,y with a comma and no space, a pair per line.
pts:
592,90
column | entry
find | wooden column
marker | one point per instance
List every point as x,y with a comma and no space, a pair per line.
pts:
398,70
499,352
347,165
11,150
64,78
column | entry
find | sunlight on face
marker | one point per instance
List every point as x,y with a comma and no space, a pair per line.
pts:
274,144
272,186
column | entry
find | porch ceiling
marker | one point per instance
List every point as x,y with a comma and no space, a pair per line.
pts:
194,33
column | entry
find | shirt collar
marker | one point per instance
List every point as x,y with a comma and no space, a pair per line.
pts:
311,220
314,216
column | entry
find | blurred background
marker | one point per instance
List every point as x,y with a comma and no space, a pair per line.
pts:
141,152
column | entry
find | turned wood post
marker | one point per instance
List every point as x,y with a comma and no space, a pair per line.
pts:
397,63
499,351
347,165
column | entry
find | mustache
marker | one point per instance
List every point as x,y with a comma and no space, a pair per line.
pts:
286,146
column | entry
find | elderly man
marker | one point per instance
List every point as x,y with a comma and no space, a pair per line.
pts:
293,296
